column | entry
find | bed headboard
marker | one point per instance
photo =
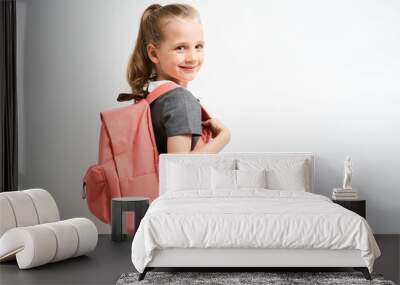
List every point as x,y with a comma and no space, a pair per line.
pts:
165,159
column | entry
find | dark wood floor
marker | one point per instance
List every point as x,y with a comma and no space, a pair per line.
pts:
110,260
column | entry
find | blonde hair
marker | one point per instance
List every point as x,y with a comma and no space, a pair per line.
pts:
140,67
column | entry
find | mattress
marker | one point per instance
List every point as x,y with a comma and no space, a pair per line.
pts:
251,219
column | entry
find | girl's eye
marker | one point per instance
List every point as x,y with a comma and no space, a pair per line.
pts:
182,48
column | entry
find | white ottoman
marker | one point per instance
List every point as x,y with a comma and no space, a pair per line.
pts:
31,232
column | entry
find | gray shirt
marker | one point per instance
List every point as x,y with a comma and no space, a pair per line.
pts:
177,112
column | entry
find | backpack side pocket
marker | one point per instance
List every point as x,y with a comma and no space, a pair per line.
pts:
95,192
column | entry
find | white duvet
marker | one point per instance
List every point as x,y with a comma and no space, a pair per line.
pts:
250,218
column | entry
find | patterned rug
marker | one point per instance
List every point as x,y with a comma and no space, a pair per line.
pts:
269,278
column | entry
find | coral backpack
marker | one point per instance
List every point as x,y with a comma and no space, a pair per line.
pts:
128,156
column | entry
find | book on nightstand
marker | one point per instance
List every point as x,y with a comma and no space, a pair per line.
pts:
344,194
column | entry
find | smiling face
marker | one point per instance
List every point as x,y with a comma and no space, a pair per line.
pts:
179,56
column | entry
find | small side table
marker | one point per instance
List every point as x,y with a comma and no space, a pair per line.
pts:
125,204
357,206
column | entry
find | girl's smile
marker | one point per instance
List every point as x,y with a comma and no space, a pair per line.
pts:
188,68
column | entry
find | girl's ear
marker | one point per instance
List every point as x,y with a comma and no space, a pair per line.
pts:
152,53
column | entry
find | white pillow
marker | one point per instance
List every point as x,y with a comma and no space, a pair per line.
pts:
223,179
235,179
288,179
282,174
181,177
251,178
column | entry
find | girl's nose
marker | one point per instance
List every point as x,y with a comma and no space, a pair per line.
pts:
191,56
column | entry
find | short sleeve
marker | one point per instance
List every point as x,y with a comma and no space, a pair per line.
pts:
181,113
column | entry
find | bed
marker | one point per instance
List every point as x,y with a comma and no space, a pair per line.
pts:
248,210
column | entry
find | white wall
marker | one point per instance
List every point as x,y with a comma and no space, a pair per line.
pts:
320,76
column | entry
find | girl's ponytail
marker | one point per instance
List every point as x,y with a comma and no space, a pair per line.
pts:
140,66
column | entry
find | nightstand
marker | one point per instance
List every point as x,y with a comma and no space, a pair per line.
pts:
357,206
139,205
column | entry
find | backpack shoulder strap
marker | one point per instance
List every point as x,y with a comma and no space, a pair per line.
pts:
161,90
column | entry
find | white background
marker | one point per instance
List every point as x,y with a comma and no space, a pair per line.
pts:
284,76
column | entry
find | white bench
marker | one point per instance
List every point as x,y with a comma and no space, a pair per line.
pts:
31,231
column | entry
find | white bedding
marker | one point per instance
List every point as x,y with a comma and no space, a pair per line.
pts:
250,218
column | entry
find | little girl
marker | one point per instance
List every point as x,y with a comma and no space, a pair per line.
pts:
169,47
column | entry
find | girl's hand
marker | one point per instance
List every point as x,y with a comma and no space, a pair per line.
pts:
215,126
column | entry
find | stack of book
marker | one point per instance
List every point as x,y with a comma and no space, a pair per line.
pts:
344,194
